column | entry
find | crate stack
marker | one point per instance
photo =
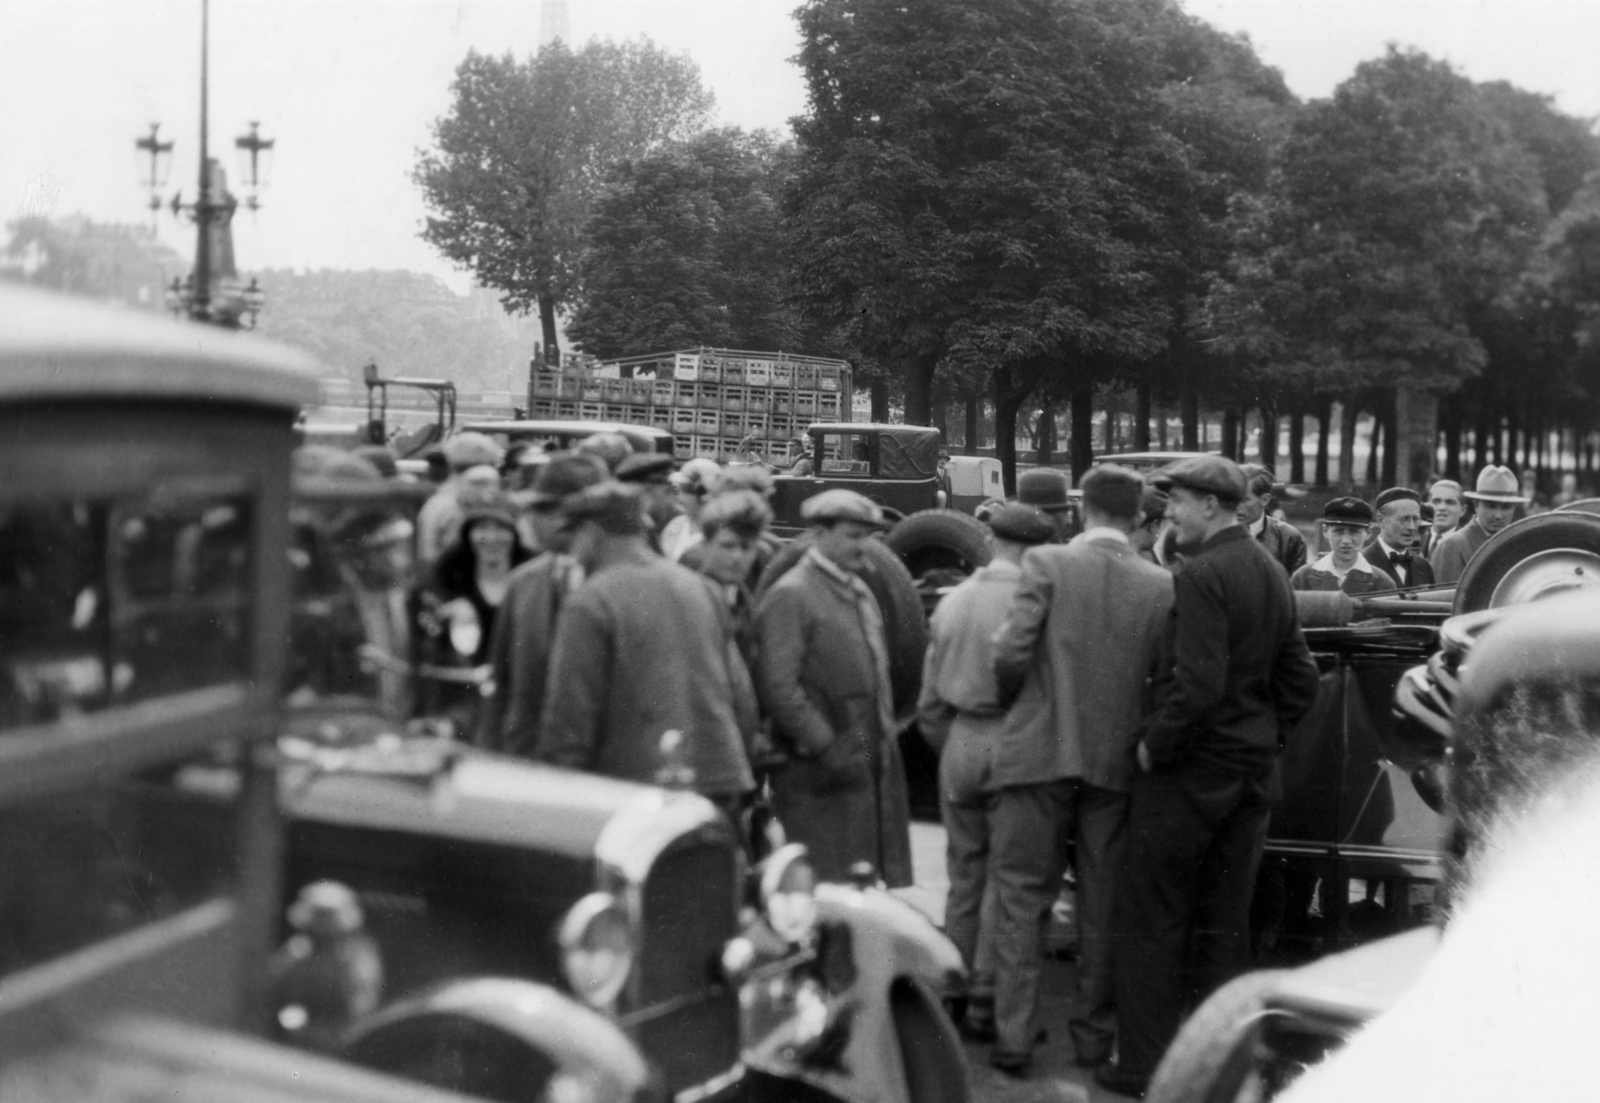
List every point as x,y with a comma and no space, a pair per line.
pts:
710,400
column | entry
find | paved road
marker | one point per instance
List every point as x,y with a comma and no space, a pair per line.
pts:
1054,1078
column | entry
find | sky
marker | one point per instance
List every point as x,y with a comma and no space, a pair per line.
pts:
349,90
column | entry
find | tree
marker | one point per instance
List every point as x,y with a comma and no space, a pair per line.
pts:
685,248
520,158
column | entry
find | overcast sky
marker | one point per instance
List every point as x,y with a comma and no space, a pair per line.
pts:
349,88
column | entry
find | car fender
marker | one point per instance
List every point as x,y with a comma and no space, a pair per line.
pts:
543,1031
897,954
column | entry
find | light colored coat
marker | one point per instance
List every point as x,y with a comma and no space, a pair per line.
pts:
1455,550
1082,638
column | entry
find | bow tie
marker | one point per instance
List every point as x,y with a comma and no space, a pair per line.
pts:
1403,558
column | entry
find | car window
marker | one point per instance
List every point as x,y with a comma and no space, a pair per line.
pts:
846,454
107,602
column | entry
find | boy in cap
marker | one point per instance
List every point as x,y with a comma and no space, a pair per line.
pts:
1237,678
520,648
1398,513
644,648
1345,525
960,714
823,676
1497,496
1073,662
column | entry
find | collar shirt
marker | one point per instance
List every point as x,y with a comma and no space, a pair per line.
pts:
1102,532
1326,564
1258,526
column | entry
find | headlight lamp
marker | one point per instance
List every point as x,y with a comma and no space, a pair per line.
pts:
596,949
788,893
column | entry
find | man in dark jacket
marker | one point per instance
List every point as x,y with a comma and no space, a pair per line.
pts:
1281,539
1399,516
642,649
823,674
1240,678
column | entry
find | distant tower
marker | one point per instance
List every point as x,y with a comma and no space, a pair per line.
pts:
552,21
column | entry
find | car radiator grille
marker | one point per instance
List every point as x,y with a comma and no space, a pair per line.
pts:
688,1020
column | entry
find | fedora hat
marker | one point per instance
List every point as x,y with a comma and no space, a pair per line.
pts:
1497,484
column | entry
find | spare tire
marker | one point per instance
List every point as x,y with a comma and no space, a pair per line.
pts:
1532,557
899,602
940,539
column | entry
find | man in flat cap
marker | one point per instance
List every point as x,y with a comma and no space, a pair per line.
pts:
960,714
520,648
1497,497
1074,663
1346,524
1237,678
1281,539
440,515
823,677
652,473
645,648
1398,513
1048,489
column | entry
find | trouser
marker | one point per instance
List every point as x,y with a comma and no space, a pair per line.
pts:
1028,838
1193,842
970,907
1097,830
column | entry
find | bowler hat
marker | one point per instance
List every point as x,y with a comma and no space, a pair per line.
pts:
1347,511
618,508
1043,488
841,505
1022,524
645,467
1396,494
1210,474
1497,484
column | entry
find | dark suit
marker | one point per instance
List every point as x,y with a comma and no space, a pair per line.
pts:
520,652
1077,653
1240,679
1284,543
1418,572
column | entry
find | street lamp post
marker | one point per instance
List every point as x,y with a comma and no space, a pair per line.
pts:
212,292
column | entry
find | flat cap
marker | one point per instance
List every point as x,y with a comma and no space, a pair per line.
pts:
565,475
1396,494
1043,488
1347,511
1022,524
470,449
618,508
610,448
645,467
1152,505
841,505
1205,475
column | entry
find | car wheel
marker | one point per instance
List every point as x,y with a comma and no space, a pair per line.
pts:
1214,1058
942,540
899,602
930,1048
1533,557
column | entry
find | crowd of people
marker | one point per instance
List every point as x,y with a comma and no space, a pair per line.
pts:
1126,690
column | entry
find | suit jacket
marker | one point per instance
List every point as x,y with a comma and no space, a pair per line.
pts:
1421,573
1237,675
520,650
1075,660
1456,550
1284,543
843,791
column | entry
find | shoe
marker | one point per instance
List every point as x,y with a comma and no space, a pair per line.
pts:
1113,1077
1012,1064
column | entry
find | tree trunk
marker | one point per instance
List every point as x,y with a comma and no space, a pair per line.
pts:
1005,436
1230,433
971,442
1082,452
880,401
1450,415
941,419
1394,441
1141,422
1268,443
1319,474
1513,425
1044,436
1348,412
1480,432
1189,410
1297,445
1374,442
547,326
918,375
1161,429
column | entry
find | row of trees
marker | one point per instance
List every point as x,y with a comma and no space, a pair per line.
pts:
1020,204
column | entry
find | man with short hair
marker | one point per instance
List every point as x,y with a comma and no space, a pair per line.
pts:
1399,514
1074,662
1281,539
1449,509
1345,525
1146,539
960,714
1497,497
823,676
440,515
520,649
1237,678
644,648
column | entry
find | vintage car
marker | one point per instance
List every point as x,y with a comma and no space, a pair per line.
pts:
542,934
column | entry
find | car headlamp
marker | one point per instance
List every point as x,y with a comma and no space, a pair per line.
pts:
788,893
596,949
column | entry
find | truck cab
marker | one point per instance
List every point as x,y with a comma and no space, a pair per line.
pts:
896,466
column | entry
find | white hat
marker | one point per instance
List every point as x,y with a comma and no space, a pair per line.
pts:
1497,484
